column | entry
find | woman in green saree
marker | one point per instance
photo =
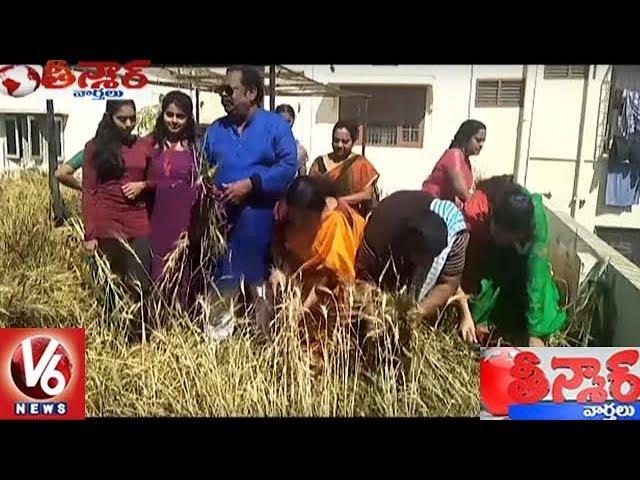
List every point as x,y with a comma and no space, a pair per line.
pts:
508,264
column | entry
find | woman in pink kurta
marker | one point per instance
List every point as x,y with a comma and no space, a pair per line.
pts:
452,177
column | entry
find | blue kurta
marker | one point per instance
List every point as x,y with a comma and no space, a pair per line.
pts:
265,147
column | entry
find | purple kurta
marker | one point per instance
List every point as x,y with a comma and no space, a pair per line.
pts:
173,175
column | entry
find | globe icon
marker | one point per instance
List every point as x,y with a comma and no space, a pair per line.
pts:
495,377
19,80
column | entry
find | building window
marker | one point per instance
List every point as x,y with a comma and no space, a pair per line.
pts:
395,114
26,137
553,72
35,139
499,93
14,138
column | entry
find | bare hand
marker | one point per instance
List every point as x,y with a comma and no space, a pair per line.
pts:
536,342
236,192
277,279
311,300
468,330
482,333
131,190
210,188
90,246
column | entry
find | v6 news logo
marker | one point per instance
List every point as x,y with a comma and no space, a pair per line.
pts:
42,373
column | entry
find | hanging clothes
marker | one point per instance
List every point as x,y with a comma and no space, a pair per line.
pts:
625,151
629,118
623,185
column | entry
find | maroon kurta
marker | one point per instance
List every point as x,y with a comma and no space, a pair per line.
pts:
107,213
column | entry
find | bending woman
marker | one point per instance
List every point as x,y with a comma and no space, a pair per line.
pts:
508,264
413,240
316,239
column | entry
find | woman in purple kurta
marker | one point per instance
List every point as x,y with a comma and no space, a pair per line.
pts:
175,196
173,174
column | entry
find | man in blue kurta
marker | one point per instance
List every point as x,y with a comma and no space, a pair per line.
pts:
256,159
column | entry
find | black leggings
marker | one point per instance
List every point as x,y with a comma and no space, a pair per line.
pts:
125,264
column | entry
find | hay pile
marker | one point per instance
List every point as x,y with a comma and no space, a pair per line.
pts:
46,282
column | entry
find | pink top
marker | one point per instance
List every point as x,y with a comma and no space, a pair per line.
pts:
439,183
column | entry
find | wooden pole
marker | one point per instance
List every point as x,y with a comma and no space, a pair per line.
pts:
57,207
197,106
364,125
272,87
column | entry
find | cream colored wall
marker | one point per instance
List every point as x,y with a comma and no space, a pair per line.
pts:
400,168
301,106
555,134
593,173
453,101
498,155
552,177
555,129
82,115
556,118
210,107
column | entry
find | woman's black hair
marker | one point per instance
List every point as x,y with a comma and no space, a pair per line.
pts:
184,103
467,130
108,141
513,212
511,206
309,193
429,231
288,109
495,186
352,128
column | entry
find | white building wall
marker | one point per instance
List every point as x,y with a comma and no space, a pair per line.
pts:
593,186
450,102
82,115
551,134
498,155
400,168
555,129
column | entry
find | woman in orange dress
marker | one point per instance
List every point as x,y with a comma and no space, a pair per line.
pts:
353,177
316,238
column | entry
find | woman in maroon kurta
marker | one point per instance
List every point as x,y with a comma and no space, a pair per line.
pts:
173,175
113,205
452,177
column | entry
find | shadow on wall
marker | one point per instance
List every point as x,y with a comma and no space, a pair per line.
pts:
599,174
328,111
601,147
